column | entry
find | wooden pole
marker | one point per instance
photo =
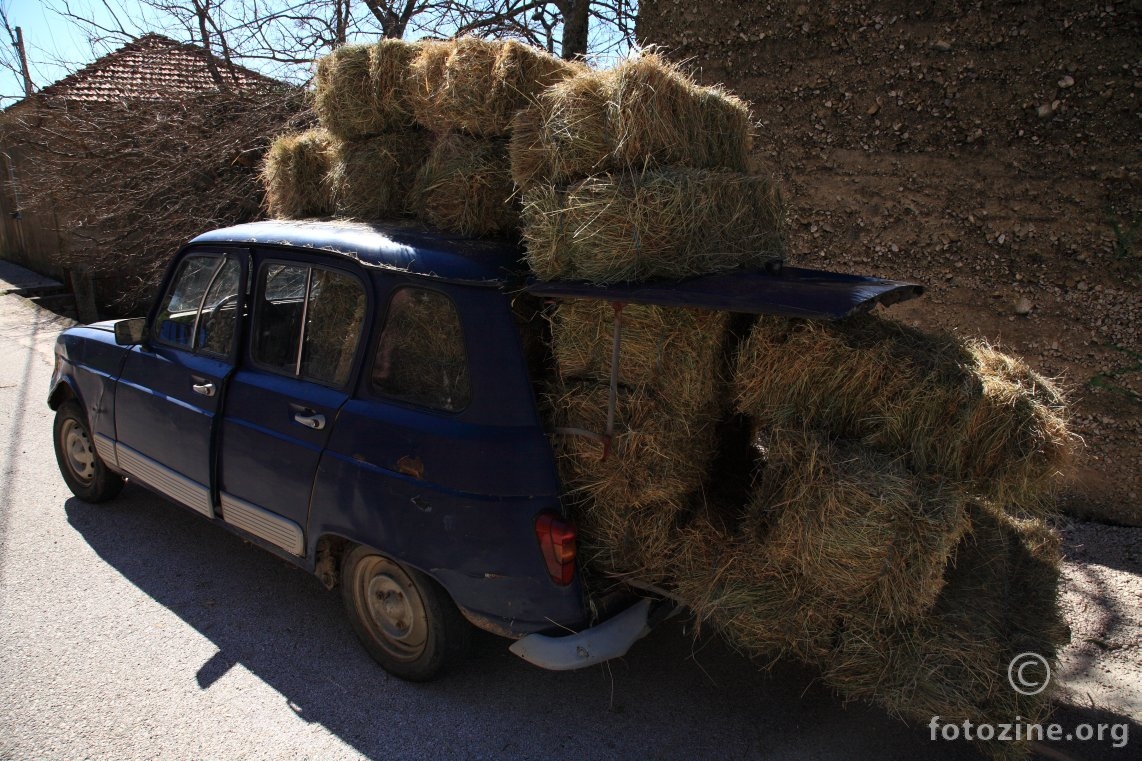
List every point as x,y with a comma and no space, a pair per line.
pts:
29,88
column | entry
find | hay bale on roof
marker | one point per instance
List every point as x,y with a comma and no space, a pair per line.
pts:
666,223
566,134
477,85
294,175
951,407
465,187
646,112
371,178
674,351
360,90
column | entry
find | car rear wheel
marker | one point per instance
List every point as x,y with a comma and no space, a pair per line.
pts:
406,621
83,472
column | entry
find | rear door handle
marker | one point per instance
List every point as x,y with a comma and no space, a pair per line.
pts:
206,388
312,420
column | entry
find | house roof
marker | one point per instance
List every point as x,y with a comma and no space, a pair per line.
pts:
151,68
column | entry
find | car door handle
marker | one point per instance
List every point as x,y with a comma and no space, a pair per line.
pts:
313,420
206,388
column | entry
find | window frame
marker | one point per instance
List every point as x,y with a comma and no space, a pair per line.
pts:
257,294
154,334
375,347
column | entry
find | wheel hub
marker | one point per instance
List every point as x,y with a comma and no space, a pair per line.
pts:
80,452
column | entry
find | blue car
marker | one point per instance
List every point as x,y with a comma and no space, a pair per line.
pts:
360,399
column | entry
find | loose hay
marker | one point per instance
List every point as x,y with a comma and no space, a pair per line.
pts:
372,178
477,85
953,408
669,223
646,112
464,187
294,175
360,90
674,351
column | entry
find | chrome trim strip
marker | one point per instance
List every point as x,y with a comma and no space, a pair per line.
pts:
162,479
263,524
105,448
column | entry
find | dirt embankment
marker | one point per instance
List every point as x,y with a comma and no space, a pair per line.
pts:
991,151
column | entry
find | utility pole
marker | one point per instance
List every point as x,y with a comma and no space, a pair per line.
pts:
29,88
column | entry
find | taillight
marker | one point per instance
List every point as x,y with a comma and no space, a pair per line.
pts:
557,543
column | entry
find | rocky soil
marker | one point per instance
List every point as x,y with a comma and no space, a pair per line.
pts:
991,151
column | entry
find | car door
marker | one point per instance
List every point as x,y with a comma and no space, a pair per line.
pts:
167,397
305,330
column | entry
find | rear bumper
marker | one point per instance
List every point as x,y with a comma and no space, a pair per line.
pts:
610,639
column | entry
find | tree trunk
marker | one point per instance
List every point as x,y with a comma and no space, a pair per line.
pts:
575,19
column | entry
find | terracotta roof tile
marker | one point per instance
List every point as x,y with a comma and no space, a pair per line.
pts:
152,68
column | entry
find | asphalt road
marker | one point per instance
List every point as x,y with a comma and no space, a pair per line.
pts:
137,630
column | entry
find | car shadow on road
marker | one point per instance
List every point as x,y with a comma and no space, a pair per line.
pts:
673,696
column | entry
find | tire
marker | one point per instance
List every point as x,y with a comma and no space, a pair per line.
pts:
405,620
79,463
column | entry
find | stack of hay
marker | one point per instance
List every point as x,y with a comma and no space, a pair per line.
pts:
888,492
629,174
899,475
412,128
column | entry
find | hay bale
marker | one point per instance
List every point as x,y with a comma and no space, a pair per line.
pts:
659,453
372,178
759,608
294,175
668,223
949,406
644,113
465,187
360,90
860,530
425,84
676,352
1000,599
566,134
476,85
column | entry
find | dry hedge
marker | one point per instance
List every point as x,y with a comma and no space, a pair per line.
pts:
372,178
663,223
952,408
294,175
646,112
464,187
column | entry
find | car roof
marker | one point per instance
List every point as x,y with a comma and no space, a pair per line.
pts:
405,246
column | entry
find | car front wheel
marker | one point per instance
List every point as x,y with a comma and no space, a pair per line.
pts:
83,471
406,621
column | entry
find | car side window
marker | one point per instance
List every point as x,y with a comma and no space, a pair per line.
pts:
200,309
308,321
420,355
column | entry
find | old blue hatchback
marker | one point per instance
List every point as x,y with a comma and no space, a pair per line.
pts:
359,399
